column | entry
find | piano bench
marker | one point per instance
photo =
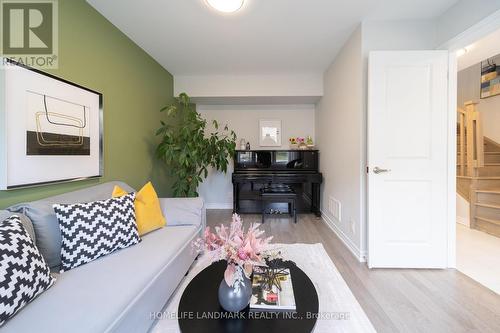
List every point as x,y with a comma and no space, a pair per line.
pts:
278,193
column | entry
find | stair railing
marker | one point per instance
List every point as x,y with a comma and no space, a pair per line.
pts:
471,139
462,121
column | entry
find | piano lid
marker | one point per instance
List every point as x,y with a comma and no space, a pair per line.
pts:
276,160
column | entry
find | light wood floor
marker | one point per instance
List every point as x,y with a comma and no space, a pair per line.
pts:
395,300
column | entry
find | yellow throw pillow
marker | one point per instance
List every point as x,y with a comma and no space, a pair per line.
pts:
148,213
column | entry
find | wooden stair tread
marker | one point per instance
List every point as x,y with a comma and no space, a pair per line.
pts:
495,191
486,153
487,178
497,222
487,205
480,178
485,165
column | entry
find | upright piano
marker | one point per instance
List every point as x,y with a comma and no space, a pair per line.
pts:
254,169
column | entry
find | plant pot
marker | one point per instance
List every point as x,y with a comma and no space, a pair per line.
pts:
294,146
237,297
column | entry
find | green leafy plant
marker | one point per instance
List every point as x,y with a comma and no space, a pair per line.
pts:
189,149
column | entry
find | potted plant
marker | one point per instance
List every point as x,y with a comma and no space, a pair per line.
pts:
189,149
309,142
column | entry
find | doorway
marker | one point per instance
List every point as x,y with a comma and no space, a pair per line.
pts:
478,161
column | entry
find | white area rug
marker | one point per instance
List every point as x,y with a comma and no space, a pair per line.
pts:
335,297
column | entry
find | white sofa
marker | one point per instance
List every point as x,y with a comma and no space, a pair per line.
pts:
119,292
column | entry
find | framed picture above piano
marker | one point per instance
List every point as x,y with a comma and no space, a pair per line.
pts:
270,133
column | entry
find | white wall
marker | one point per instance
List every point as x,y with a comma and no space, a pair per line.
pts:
399,35
292,85
469,81
341,113
341,120
296,120
339,132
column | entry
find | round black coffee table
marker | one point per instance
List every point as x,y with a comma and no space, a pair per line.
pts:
199,309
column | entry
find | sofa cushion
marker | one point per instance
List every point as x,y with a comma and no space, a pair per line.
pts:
147,208
24,274
26,222
97,296
95,229
43,217
183,211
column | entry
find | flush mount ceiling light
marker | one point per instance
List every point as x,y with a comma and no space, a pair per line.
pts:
226,6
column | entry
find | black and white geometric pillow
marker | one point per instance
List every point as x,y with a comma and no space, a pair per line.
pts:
24,274
95,229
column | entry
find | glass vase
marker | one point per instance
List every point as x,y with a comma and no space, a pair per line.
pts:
237,297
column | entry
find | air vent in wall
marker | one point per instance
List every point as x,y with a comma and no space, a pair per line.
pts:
335,208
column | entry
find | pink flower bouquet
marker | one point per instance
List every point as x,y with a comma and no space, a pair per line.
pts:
237,247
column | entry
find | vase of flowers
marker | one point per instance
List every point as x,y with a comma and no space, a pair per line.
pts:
293,143
301,143
241,250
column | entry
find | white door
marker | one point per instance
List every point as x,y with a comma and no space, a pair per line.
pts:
407,159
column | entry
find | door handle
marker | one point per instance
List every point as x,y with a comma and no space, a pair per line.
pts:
378,170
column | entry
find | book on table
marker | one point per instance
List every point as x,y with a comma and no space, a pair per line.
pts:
272,290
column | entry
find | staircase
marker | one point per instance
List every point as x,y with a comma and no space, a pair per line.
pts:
478,171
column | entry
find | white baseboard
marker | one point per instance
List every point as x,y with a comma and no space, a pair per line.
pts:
343,237
463,221
219,205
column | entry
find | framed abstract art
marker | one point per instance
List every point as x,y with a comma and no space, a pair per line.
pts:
490,77
50,129
270,132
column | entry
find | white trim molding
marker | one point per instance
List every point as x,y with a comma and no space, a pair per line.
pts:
479,30
361,256
463,221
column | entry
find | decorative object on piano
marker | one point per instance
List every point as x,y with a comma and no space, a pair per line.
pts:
188,149
309,142
270,133
302,143
242,250
247,147
490,77
243,145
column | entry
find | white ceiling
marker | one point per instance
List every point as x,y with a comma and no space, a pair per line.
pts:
266,36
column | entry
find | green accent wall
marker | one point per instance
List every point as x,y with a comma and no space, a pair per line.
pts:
95,54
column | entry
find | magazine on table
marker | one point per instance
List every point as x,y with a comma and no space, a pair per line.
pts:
272,290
